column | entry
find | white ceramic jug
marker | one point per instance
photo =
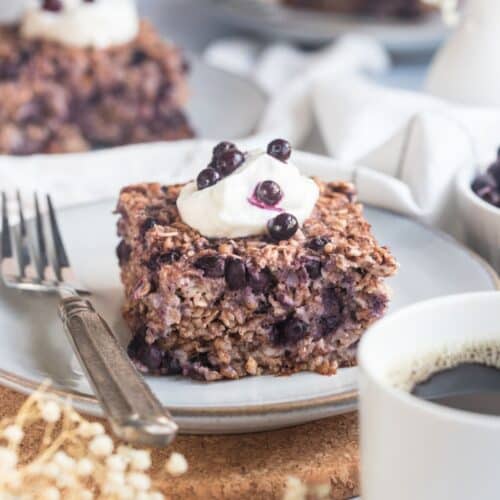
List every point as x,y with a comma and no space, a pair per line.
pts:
467,68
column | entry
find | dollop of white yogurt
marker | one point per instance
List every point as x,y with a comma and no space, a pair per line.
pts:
224,210
99,24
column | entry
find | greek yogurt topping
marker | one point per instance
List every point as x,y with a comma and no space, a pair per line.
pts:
98,23
244,202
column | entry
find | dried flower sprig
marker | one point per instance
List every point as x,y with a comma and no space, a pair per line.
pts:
75,459
295,489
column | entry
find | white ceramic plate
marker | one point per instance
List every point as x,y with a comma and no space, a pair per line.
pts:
34,346
215,94
308,26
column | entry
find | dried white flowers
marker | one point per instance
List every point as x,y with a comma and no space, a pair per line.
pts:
176,465
295,489
75,459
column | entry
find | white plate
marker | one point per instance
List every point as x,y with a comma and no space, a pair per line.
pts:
312,27
215,94
34,347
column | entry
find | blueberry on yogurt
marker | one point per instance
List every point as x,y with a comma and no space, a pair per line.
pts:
283,226
279,149
229,161
269,193
207,177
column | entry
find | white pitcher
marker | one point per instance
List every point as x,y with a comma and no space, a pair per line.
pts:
467,68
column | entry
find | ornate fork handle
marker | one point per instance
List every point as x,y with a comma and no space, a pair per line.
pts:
135,413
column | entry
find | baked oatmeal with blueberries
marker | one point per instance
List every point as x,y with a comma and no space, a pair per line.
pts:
251,269
81,74
400,9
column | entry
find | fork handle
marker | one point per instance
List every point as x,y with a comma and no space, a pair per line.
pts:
134,412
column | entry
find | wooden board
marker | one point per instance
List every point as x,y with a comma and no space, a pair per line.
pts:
253,466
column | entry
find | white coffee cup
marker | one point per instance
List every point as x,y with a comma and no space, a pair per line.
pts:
413,449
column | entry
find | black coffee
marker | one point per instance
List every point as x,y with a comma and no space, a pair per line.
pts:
471,387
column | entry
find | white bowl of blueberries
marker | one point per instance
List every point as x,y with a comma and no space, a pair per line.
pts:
479,201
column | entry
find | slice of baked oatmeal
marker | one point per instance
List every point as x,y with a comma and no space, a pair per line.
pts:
57,98
213,308
400,9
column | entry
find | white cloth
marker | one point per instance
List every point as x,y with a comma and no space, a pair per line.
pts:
77,178
288,76
401,148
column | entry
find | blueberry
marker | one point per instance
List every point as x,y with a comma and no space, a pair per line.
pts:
207,178
236,274
331,302
291,331
494,172
171,365
123,252
170,257
165,258
318,243
260,281
148,224
328,324
313,268
268,192
222,148
25,55
213,266
377,304
138,57
279,149
135,344
483,185
150,355
229,161
283,226
52,5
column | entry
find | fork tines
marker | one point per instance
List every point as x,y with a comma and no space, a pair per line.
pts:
32,256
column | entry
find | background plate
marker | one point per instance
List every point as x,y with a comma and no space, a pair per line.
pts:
34,346
311,27
215,94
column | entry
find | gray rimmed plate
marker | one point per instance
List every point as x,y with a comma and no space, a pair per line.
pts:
35,348
270,18
215,94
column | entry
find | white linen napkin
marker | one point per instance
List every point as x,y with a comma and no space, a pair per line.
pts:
83,177
287,75
401,148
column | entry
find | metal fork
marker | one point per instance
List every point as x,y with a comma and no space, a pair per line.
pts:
38,262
